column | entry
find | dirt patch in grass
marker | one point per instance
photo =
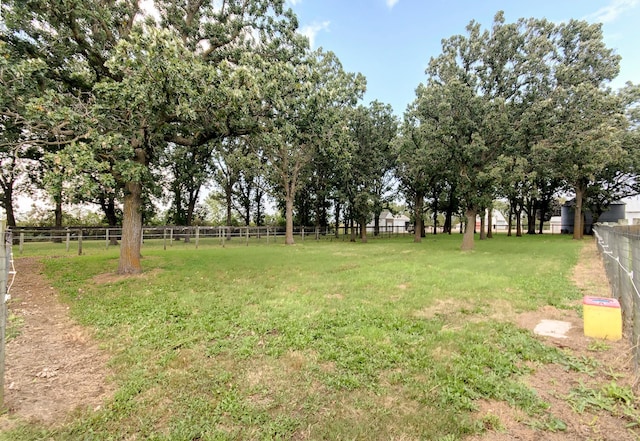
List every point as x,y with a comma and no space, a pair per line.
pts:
52,366
598,365
103,279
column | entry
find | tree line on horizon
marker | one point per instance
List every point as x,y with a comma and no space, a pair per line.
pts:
105,103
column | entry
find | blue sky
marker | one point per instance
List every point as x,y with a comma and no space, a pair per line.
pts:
391,41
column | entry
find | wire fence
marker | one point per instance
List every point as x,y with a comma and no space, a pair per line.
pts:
6,269
75,238
620,249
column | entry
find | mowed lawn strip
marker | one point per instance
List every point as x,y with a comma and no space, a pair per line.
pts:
321,340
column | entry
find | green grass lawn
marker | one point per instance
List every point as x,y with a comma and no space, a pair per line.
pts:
321,340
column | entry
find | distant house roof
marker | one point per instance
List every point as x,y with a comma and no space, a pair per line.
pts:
572,203
389,219
386,214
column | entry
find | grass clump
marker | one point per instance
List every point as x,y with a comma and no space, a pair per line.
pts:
324,340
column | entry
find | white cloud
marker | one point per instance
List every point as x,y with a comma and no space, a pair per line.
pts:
612,11
391,3
310,31
293,2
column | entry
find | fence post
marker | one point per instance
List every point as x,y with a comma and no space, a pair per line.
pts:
68,239
5,256
267,235
21,241
106,238
171,237
247,236
197,236
80,243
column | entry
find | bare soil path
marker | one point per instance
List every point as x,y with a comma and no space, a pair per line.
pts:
52,366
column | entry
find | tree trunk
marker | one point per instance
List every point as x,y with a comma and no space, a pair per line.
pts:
191,208
58,218
531,217
376,224
131,230
289,219
543,214
258,213
417,212
510,221
7,203
490,222
318,215
448,218
578,225
451,207
467,239
247,211
435,213
338,219
352,230
483,224
519,222
363,230
229,202
108,206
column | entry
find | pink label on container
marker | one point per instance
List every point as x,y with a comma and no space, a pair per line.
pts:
601,301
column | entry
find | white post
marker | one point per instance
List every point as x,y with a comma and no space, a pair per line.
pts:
106,238
197,236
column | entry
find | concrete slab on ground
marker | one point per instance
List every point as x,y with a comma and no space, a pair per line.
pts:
552,328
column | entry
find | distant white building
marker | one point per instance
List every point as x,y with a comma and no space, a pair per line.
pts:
398,223
498,222
632,208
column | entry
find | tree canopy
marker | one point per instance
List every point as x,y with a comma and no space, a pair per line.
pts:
111,103
522,111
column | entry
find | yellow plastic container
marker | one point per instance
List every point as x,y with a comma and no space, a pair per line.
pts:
602,318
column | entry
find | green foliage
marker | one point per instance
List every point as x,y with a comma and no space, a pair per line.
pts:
370,160
14,326
309,98
612,398
520,111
